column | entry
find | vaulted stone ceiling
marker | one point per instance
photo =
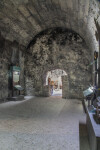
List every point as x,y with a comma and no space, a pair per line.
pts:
21,20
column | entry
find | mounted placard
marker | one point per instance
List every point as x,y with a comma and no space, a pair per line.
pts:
15,68
15,80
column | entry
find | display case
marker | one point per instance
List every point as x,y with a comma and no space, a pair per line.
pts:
15,80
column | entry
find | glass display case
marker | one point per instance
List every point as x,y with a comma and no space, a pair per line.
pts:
15,80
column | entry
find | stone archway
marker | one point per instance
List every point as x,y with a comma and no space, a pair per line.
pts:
63,49
53,82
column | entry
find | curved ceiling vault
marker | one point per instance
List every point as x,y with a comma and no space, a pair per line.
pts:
21,20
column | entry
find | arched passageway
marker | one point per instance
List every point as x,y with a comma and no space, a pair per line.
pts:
54,82
58,48
54,47
25,19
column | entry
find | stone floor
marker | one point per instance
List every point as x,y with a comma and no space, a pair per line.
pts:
57,92
42,124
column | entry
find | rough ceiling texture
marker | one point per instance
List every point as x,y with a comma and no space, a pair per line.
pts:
21,20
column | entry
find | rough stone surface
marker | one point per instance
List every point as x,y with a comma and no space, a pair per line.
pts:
21,20
65,87
10,55
41,124
58,49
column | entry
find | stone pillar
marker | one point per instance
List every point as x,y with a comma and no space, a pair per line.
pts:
46,91
65,87
22,76
99,69
97,34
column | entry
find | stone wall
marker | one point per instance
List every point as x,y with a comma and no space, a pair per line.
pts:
22,19
65,87
22,66
9,55
58,49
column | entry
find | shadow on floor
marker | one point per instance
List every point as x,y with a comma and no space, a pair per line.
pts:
83,135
